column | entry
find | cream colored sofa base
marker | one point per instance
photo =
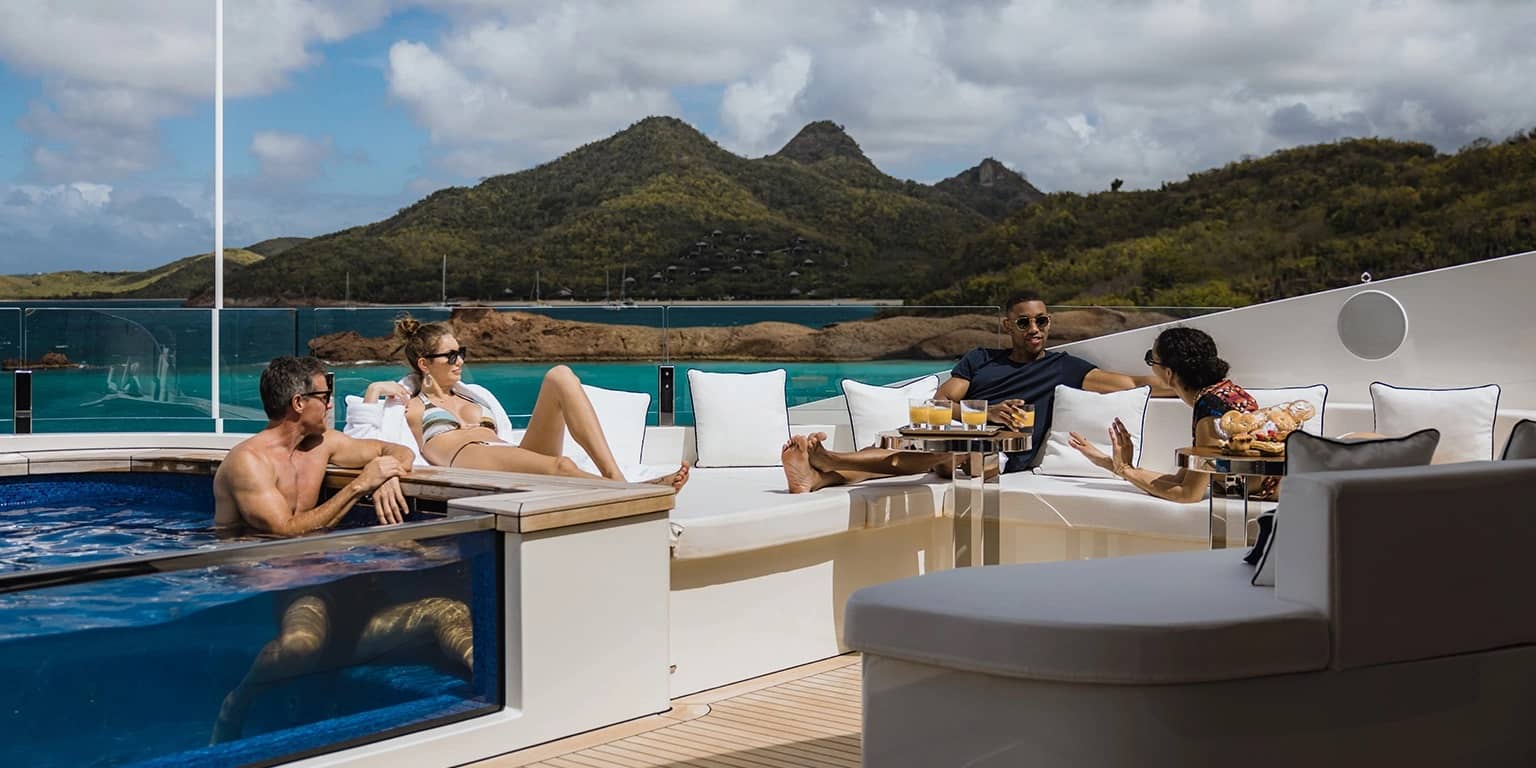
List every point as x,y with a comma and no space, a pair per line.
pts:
1470,710
747,614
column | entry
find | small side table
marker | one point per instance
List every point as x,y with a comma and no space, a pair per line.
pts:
1229,515
971,497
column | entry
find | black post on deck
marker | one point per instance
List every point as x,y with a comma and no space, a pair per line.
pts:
330,408
21,405
666,400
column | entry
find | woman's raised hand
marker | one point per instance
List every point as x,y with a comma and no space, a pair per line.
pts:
389,389
1124,449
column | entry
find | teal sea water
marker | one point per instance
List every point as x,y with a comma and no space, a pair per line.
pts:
146,365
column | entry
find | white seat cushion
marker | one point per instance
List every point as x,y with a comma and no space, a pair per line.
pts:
726,510
1111,504
1464,417
740,419
1089,414
873,409
1093,621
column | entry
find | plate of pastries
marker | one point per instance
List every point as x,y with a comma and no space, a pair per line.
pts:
1263,432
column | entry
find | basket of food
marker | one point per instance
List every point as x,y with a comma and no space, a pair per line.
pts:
1262,432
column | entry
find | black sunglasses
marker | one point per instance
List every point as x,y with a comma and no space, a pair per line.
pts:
1150,360
323,395
1039,321
452,355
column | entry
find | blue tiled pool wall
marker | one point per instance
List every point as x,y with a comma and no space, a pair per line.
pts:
132,671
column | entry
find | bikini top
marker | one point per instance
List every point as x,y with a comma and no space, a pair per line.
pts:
436,420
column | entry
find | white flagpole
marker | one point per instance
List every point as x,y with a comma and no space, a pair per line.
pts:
218,205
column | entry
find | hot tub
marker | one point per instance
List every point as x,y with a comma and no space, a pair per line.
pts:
131,634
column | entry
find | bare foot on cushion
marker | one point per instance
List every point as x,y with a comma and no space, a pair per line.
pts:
798,472
816,451
677,479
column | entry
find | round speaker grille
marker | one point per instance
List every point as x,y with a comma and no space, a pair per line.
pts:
1372,325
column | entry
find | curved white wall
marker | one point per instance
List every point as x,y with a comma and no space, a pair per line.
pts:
1467,325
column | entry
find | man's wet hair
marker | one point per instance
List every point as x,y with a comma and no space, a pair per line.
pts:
285,377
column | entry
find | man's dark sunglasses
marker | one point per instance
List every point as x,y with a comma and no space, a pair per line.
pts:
1039,321
452,355
1150,360
323,395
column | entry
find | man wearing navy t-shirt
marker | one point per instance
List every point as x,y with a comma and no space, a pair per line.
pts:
1005,378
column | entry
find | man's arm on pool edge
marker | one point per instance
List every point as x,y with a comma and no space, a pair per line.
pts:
353,452
253,489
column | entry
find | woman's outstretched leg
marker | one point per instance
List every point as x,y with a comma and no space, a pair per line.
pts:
563,405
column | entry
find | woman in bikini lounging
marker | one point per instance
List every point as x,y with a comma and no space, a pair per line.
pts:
453,431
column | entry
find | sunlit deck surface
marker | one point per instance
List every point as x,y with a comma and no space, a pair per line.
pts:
807,717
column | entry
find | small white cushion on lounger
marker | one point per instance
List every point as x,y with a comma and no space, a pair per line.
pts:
1089,414
740,419
874,409
1464,417
622,415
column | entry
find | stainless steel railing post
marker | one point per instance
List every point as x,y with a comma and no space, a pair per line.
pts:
666,396
21,403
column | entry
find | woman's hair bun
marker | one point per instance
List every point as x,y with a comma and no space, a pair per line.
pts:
406,326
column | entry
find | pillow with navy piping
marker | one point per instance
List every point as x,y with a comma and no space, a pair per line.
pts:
873,409
1305,452
1522,441
1464,416
740,419
1088,414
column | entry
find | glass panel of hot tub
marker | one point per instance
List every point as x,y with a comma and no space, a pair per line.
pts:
231,653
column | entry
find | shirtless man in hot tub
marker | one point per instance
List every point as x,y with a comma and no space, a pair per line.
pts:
270,482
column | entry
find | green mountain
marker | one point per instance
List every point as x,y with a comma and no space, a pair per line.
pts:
991,188
178,279
1297,221
658,203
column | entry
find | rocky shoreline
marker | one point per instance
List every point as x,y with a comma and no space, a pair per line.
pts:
496,336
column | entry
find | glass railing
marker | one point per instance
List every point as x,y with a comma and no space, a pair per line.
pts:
123,368
11,357
196,651
820,345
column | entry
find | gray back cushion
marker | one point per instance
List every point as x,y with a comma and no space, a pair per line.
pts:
1309,453
1522,441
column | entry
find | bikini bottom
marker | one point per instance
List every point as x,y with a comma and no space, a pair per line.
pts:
454,459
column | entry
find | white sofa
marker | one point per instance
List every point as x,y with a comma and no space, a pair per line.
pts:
1396,633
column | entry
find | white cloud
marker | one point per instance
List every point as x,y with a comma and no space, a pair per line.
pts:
755,110
291,157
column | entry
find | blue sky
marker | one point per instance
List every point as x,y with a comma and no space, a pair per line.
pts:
338,114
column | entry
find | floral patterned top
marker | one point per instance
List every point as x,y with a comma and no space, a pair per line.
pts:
1213,403
1218,398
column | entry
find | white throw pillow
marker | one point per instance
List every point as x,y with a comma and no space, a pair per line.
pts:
622,415
1464,417
1089,414
873,409
1316,394
740,419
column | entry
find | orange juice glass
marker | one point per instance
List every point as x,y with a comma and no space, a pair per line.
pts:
941,413
1026,418
973,413
917,412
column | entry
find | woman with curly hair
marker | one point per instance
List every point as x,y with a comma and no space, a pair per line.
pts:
1185,360
453,431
